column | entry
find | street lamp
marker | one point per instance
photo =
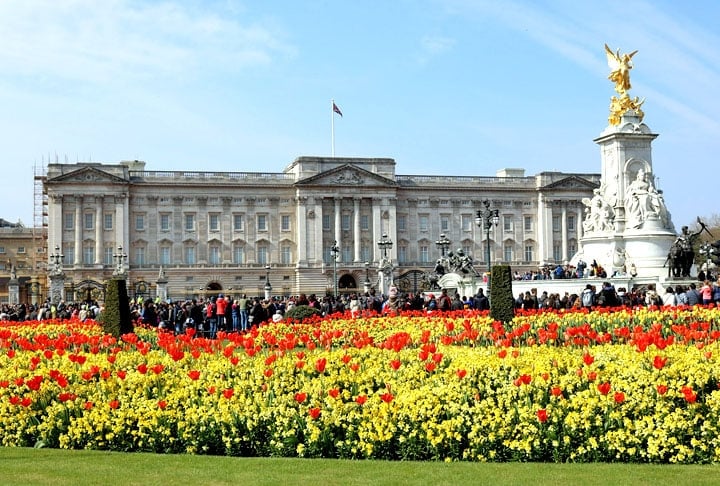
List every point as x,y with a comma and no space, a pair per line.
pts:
335,252
57,260
268,287
443,243
385,244
386,268
119,258
486,219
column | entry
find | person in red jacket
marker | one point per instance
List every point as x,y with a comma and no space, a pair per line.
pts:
221,303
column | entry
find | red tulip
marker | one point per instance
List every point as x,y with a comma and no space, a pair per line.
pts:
194,374
361,399
662,389
542,415
314,413
395,364
300,397
604,388
619,397
162,404
334,392
387,397
228,393
461,373
320,365
588,359
659,362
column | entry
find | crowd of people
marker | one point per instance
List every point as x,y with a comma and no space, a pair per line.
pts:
608,296
208,316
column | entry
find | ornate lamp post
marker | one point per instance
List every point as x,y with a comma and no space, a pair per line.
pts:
443,243
335,252
366,284
57,260
486,219
268,287
386,267
120,257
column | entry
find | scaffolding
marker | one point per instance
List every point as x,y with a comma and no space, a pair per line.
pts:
40,218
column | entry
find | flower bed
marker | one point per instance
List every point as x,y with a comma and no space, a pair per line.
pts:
633,386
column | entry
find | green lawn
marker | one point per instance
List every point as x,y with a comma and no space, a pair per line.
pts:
20,466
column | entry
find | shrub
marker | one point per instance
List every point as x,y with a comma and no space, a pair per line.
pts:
302,312
115,318
502,306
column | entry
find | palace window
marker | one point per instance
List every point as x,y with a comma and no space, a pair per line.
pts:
423,222
189,222
190,258
262,222
424,254
165,255
285,255
262,255
285,222
238,254
238,222
529,253
214,222
214,256
528,223
508,253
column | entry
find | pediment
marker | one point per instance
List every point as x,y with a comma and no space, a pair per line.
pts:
571,183
89,174
347,175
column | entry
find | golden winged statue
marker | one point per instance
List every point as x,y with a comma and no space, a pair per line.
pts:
620,65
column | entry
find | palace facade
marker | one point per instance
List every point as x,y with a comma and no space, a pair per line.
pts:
236,232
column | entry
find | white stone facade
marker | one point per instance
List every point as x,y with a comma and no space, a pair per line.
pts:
216,232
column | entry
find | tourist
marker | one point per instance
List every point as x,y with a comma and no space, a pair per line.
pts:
693,295
587,297
706,293
669,298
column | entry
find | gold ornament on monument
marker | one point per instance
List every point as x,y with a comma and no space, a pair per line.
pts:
620,65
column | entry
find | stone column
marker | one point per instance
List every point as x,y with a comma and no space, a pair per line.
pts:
357,237
78,231
99,230
541,228
563,232
338,226
301,232
377,228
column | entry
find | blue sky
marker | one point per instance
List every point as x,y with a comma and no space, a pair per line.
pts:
460,87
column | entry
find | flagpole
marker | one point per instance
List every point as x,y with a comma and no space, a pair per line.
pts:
332,125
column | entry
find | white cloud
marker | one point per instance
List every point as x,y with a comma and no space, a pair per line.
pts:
87,40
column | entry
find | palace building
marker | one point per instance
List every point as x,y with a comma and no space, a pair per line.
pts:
237,232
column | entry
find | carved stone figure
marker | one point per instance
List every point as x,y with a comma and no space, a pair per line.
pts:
643,202
600,214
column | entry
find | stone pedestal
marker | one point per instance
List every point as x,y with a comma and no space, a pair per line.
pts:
628,229
57,287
